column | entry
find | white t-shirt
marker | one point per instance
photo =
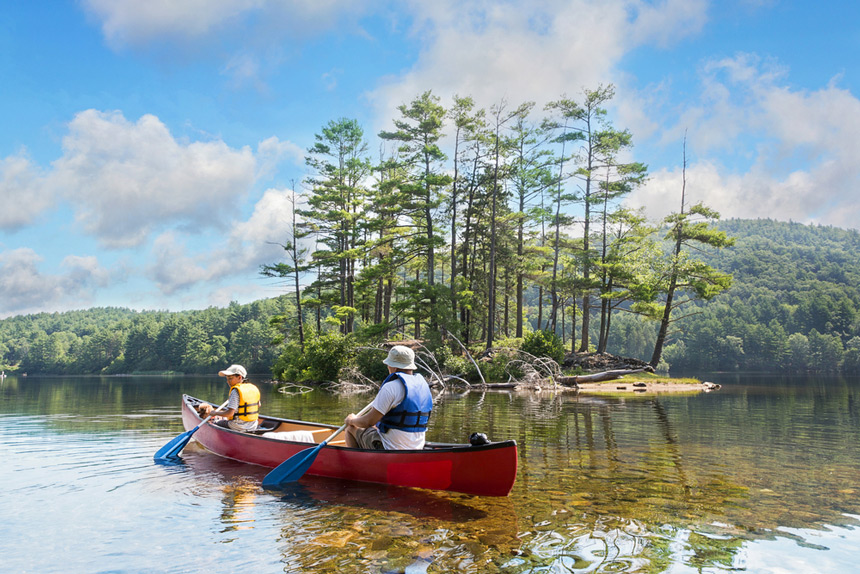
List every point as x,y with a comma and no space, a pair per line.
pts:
390,395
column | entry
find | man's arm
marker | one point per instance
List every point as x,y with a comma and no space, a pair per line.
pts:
366,420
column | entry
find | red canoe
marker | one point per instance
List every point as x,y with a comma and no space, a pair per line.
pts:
485,470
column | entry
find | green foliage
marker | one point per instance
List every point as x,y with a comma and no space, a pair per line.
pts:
502,367
369,363
794,303
544,344
444,356
122,341
461,366
321,361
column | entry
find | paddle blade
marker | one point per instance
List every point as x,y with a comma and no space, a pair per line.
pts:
174,447
293,468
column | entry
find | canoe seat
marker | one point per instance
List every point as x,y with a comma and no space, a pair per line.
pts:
295,436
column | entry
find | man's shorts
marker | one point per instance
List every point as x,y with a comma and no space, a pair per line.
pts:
369,438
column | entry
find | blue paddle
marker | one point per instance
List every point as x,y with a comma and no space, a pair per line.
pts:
294,467
172,449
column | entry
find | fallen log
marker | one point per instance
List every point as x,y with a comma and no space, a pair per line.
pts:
598,377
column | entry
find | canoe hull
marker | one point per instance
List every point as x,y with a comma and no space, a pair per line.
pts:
487,470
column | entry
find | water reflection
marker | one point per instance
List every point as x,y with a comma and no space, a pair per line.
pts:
336,526
314,492
760,475
238,500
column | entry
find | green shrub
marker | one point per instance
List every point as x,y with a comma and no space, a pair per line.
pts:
289,364
499,368
544,344
459,365
443,355
369,363
321,360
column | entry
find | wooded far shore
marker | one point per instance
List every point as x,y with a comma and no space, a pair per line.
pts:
794,306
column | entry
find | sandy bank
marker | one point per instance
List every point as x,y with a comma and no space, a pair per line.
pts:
645,387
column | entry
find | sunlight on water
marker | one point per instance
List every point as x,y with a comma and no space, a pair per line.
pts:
761,478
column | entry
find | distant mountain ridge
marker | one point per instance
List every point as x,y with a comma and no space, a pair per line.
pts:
794,303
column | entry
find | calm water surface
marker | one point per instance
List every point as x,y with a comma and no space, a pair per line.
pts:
761,476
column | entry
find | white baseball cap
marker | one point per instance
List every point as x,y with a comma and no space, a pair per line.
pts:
401,357
234,370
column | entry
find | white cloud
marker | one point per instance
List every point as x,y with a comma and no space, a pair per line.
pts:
132,22
127,179
665,23
529,51
26,289
23,193
268,224
272,151
769,150
248,245
173,270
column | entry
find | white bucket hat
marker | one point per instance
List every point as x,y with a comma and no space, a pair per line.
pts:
234,370
401,357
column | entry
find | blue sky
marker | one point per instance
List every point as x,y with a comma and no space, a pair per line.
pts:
148,149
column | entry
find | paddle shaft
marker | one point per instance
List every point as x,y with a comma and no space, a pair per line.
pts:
204,421
172,448
294,467
340,430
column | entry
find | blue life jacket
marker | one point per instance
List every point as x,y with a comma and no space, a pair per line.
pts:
412,414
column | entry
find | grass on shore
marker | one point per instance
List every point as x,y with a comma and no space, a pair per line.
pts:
655,378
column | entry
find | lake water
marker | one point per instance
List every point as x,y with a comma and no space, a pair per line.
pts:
760,476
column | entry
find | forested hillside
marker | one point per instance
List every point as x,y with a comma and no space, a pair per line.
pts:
112,341
794,304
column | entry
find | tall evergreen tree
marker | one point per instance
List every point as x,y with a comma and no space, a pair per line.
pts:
336,204
682,274
564,123
530,177
417,134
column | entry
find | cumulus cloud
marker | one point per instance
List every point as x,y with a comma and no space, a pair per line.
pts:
267,226
24,288
768,150
176,267
173,269
128,178
131,22
23,192
529,51
272,151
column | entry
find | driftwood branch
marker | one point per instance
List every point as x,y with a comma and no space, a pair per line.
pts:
597,377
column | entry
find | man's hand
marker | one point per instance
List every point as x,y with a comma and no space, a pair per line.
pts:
368,419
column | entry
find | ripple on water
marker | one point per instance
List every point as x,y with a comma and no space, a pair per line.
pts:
714,483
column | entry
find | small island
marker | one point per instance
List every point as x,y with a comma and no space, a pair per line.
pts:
646,383
604,373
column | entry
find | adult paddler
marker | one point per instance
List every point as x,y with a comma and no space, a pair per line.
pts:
400,412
